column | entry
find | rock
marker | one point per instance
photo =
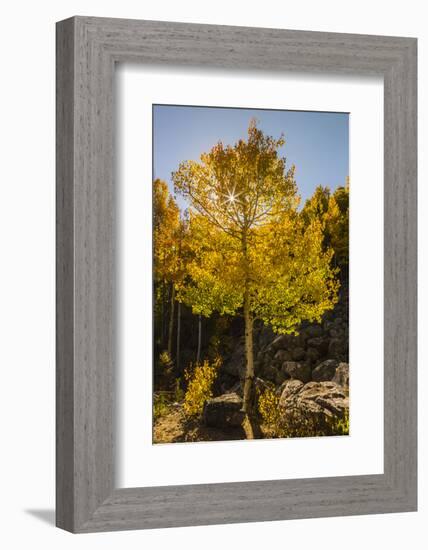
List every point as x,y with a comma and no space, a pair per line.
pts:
314,331
298,353
269,353
269,372
236,388
282,355
312,354
288,389
298,371
327,325
281,376
341,376
320,344
280,342
315,401
260,356
235,365
335,333
265,337
288,341
223,411
336,348
324,371
266,360
328,315
327,396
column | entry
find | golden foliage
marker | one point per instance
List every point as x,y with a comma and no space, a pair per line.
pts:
340,426
246,238
332,211
268,405
165,361
337,224
166,228
200,380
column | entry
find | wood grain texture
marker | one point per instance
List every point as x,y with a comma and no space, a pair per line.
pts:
87,49
64,276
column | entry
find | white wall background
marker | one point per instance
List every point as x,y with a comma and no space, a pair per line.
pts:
27,272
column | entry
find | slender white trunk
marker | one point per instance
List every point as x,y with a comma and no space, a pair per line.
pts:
178,336
249,358
251,425
171,321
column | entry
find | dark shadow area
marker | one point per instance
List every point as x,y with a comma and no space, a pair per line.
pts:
46,515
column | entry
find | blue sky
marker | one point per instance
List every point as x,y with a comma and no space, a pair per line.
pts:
316,143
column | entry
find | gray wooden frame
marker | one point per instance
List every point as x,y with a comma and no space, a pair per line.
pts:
87,50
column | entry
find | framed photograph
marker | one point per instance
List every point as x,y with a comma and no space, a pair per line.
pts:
250,277
236,274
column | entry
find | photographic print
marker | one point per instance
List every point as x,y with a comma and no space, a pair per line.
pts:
250,274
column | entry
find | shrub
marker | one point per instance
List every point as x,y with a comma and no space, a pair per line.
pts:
161,404
178,392
165,361
340,426
268,405
297,423
200,380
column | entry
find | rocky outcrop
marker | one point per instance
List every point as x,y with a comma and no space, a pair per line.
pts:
325,370
234,364
223,411
297,371
313,344
315,401
281,356
341,375
288,389
318,353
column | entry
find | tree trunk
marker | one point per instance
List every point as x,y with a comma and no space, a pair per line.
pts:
164,307
251,425
198,353
162,338
171,321
178,336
